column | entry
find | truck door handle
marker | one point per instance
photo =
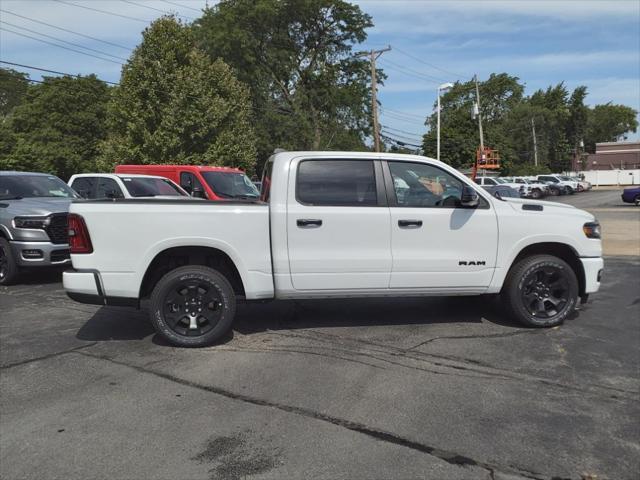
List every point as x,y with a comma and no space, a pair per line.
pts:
410,223
308,223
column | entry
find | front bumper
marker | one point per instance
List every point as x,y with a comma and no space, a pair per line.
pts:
40,254
593,269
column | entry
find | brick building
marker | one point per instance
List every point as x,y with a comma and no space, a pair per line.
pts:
614,155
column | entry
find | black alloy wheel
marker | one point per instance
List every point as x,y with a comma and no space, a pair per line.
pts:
540,291
193,306
545,292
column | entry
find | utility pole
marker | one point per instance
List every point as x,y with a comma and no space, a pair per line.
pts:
535,142
373,56
475,79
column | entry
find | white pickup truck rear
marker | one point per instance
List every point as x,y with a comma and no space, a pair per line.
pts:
332,224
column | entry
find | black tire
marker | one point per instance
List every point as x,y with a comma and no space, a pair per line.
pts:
580,188
540,291
193,306
554,192
535,193
637,201
8,268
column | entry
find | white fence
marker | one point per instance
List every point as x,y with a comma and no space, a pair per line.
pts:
611,177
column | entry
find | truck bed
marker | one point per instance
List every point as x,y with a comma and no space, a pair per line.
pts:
127,234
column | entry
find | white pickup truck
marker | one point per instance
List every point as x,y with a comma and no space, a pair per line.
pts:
332,224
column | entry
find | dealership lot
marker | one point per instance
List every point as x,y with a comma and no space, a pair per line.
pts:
404,388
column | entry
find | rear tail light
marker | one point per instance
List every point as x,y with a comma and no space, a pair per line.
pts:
79,239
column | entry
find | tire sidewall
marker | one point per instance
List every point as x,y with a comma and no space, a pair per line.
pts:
206,275
12,268
518,284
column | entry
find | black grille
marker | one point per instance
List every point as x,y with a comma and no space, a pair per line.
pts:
60,255
58,229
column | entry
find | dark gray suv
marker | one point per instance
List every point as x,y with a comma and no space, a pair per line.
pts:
33,222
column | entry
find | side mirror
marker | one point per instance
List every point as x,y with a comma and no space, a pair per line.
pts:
198,192
469,197
497,194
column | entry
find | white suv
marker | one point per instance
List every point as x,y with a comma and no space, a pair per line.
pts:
109,185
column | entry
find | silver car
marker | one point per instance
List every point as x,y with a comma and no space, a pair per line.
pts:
33,222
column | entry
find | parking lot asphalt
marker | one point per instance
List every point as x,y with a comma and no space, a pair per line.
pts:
440,388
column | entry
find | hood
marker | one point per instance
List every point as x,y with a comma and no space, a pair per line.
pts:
37,206
548,207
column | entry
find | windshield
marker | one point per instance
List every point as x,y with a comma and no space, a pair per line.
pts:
231,184
22,186
151,187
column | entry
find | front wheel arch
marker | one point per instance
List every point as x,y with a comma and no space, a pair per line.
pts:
560,250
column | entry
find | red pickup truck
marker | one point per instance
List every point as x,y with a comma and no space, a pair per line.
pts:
213,183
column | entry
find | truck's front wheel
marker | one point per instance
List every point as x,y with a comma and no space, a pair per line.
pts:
193,306
541,291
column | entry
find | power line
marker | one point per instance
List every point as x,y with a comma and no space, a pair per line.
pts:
415,73
50,71
181,6
66,30
400,142
102,11
418,135
63,41
276,108
420,117
404,120
59,46
400,136
155,9
417,59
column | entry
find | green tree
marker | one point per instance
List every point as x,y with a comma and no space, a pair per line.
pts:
499,95
609,123
308,89
175,105
13,87
578,117
57,128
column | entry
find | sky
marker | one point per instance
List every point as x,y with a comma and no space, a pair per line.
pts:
543,42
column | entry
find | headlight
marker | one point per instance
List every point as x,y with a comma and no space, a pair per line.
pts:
31,222
592,230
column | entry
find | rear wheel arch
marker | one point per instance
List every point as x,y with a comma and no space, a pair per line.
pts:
561,250
175,257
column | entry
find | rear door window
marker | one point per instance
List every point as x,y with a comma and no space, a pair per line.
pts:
108,188
84,186
348,183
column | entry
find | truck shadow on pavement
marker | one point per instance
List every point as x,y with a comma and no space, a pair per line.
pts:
113,323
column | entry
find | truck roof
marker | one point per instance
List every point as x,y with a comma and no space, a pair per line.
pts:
330,155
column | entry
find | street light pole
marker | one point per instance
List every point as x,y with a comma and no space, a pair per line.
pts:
444,86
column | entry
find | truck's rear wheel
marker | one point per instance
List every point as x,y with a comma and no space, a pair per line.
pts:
541,291
8,267
193,306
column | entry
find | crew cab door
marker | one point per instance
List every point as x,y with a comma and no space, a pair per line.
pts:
435,242
338,230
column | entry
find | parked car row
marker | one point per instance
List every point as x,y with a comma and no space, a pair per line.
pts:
34,206
534,187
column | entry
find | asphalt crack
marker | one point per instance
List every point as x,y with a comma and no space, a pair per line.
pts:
46,357
476,367
449,457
